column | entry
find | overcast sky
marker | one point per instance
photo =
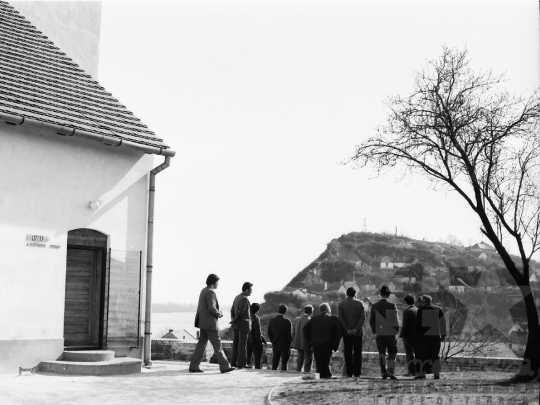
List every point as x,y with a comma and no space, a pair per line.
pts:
263,99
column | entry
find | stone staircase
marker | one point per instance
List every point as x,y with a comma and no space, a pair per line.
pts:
91,362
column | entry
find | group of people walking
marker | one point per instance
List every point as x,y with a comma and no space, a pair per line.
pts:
422,331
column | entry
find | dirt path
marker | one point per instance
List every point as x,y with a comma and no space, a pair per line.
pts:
475,388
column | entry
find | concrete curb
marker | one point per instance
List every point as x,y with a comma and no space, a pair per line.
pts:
268,398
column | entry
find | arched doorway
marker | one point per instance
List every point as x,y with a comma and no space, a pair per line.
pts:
85,289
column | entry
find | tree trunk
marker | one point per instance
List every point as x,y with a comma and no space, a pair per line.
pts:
531,358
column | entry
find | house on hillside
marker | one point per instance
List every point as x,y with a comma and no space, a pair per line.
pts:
403,262
457,285
483,256
518,342
366,284
332,286
533,277
400,261
384,262
299,292
392,285
518,327
313,277
78,190
481,246
345,285
401,243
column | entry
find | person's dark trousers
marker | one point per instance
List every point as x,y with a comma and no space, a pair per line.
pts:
322,360
304,358
239,349
200,349
353,355
410,355
387,343
429,348
255,349
282,355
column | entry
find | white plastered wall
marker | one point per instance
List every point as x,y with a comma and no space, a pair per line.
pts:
46,185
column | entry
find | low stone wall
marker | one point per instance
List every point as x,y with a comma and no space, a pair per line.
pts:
181,350
370,363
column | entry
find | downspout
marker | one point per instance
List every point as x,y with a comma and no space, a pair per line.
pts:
149,261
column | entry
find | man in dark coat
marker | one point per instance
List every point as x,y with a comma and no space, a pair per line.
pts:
206,319
430,332
351,316
408,334
255,338
304,354
384,324
241,322
323,333
279,333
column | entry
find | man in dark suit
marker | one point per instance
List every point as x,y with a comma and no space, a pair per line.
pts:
408,334
430,332
207,320
323,333
384,324
279,333
255,338
351,316
304,354
241,322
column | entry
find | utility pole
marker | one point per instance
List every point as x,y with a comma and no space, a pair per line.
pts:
364,228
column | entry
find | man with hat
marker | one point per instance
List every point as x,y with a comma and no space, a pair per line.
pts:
384,324
430,332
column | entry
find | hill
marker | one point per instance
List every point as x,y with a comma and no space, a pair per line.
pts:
359,254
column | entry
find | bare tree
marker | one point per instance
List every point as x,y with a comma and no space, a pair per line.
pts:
461,131
470,333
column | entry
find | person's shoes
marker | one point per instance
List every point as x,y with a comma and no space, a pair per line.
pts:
385,376
196,371
420,377
392,377
239,367
408,375
436,377
228,370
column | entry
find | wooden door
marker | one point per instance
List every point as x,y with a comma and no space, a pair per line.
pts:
83,298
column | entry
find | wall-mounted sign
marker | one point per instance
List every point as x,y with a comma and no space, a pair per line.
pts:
39,241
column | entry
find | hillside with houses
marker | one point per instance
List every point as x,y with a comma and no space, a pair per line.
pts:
366,261
471,282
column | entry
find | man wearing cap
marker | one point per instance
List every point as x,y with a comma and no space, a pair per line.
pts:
384,324
430,332
351,316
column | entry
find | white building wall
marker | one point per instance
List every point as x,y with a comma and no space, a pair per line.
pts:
47,182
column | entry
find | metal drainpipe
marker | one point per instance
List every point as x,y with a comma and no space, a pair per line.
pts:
149,261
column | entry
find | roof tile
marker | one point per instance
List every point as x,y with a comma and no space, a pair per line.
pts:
39,81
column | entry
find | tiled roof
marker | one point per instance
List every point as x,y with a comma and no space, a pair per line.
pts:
39,82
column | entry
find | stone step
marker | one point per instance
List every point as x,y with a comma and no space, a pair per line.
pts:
88,355
116,366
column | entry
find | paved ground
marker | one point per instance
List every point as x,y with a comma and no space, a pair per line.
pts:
170,385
